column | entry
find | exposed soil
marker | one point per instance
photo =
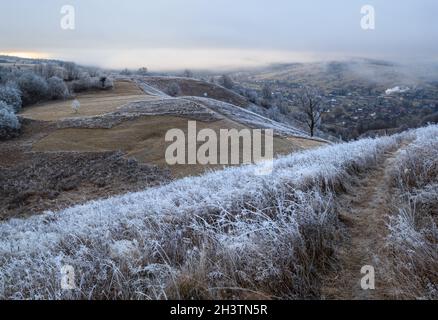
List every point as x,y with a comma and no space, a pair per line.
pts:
365,215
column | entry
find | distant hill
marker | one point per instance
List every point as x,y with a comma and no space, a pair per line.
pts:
360,94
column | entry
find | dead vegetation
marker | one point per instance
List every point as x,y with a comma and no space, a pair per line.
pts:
226,234
413,238
53,181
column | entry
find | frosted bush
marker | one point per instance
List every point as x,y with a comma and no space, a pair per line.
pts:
107,83
123,248
57,88
92,83
174,89
9,123
33,88
83,83
11,96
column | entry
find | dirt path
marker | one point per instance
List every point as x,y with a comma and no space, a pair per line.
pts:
365,215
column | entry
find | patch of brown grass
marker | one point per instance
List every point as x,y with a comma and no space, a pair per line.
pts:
144,140
92,103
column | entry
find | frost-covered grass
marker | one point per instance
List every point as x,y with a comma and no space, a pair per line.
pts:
227,234
413,230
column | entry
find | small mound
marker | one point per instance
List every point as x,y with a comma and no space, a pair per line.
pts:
197,88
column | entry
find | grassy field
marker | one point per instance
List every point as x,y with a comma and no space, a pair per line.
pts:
92,103
144,140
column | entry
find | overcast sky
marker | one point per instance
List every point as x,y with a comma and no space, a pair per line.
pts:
170,34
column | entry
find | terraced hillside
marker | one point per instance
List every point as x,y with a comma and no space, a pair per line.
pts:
70,155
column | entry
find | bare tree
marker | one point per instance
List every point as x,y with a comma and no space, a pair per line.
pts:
174,89
187,74
267,92
311,105
126,72
227,82
143,71
72,71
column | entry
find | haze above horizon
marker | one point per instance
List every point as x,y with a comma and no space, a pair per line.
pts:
196,34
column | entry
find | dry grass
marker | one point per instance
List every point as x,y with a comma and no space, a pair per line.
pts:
227,234
92,103
413,239
53,181
144,140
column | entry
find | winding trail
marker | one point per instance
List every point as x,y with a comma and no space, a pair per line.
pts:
364,214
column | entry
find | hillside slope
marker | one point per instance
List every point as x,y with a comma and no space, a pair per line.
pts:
123,129
226,234
138,127
360,96
197,88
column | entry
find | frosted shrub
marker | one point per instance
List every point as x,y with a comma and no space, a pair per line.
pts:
92,83
83,83
174,89
57,88
9,123
33,88
11,96
75,105
274,113
106,83
72,71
